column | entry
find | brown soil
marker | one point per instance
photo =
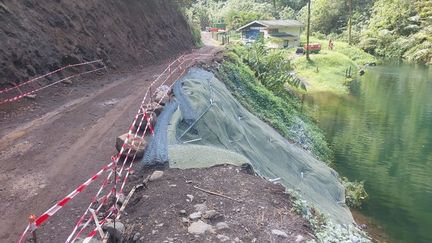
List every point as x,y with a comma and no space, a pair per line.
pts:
41,36
52,144
255,209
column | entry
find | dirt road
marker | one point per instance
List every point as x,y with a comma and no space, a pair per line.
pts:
50,145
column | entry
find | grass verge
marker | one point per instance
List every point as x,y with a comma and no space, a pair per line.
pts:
327,70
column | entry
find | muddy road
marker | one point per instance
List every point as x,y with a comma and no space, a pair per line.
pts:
50,145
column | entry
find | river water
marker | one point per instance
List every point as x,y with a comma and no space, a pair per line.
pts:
382,133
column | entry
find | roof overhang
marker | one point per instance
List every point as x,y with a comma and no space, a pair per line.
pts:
274,24
251,23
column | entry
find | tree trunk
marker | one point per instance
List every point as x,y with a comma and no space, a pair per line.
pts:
349,21
308,30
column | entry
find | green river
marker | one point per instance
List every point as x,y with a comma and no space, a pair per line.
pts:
382,133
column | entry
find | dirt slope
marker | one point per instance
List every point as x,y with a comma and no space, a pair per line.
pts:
40,36
254,210
50,145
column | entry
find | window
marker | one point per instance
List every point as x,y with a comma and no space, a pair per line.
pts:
273,31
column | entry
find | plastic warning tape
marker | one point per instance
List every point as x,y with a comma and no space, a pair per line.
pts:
94,199
80,221
51,73
18,97
60,204
124,162
94,231
64,201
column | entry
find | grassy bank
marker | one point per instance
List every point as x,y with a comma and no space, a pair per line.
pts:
326,71
282,111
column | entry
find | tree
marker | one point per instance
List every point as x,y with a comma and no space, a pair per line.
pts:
349,21
308,30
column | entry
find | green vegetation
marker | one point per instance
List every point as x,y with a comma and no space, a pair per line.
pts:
400,29
279,108
324,229
236,13
326,71
388,28
196,34
355,194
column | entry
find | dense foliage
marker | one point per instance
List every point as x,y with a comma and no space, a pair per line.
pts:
388,28
236,13
355,193
400,29
272,67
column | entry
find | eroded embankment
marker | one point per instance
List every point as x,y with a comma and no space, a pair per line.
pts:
41,36
211,126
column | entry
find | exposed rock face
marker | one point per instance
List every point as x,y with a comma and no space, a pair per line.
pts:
40,36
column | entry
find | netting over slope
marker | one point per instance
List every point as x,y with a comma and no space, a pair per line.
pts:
221,123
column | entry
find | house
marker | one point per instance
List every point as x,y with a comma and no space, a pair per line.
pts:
278,33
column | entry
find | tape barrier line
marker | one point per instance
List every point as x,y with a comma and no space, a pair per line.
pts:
79,223
60,204
18,97
134,156
94,231
64,201
51,73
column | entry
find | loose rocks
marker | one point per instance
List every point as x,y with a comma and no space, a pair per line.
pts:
222,226
200,207
195,216
223,238
136,145
157,174
199,227
279,233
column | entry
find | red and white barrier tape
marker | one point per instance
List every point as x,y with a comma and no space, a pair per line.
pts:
63,202
18,97
79,223
51,73
94,231
50,212
143,134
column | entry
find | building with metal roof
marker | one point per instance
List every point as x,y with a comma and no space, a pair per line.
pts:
277,33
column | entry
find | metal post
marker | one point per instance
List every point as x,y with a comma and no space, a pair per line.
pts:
32,221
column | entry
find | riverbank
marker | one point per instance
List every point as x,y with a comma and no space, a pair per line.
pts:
380,133
280,109
331,70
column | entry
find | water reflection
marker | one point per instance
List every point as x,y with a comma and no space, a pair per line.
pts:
382,133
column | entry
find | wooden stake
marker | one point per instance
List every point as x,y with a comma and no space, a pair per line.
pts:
217,194
97,223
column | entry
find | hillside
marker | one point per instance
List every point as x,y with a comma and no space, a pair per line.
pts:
39,37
